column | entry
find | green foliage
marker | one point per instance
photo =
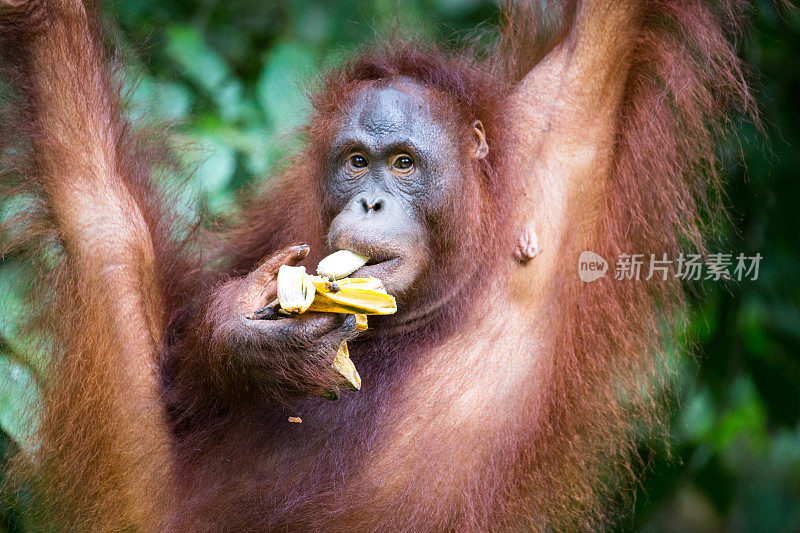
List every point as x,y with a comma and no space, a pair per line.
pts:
231,77
735,455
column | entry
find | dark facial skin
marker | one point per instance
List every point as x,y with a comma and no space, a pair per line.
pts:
391,170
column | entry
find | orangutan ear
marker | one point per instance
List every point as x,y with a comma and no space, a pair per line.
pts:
481,149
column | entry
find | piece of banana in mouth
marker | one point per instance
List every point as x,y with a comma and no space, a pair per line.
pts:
331,291
340,264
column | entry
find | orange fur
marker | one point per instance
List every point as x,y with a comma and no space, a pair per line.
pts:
601,128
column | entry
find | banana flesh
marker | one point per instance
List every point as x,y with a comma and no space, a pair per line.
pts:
340,264
295,289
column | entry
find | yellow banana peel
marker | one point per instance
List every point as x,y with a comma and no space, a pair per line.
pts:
365,296
346,368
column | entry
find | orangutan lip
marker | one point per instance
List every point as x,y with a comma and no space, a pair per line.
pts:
378,260
377,268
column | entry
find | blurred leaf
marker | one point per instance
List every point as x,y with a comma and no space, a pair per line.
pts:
746,419
161,101
214,162
698,416
18,393
278,89
200,64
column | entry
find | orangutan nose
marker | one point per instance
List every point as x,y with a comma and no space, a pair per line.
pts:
371,204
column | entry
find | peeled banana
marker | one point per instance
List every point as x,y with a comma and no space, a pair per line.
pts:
331,291
295,289
340,264
299,292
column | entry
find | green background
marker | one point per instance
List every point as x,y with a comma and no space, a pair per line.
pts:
227,75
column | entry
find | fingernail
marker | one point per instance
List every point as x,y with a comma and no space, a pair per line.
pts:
265,313
303,250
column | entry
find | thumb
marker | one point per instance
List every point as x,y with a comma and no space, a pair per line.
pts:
268,268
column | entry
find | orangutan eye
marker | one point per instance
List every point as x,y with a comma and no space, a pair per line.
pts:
358,161
403,162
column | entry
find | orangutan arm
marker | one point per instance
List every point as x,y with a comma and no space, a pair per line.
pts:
568,108
103,438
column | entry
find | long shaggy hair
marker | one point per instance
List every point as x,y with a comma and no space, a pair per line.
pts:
109,456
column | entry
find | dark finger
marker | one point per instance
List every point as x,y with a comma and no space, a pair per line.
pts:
269,312
303,330
288,256
347,330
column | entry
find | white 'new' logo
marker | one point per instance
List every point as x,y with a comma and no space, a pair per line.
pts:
591,266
